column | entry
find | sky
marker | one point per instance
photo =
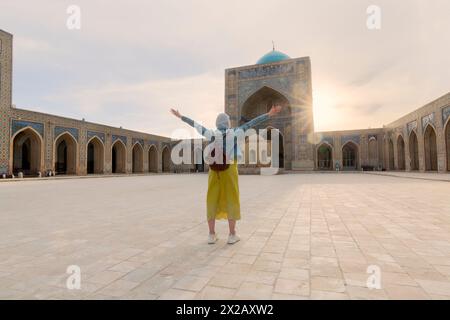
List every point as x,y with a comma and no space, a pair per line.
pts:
133,60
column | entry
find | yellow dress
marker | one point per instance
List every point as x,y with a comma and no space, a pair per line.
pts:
222,200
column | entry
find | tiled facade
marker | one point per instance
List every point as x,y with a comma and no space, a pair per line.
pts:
384,148
50,127
249,91
288,83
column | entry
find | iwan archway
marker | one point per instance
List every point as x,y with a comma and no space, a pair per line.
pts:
138,158
152,159
27,155
65,154
118,157
259,103
413,151
391,161
95,156
401,153
166,159
324,156
350,156
430,149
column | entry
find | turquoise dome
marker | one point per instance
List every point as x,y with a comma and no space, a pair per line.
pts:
273,56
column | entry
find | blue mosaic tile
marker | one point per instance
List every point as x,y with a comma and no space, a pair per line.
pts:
264,71
410,126
100,135
153,142
121,138
17,125
428,119
141,141
353,138
72,131
445,114
327,139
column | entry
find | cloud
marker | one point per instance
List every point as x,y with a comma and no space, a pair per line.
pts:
146,104
133,59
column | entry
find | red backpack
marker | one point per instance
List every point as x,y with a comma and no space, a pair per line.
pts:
219,166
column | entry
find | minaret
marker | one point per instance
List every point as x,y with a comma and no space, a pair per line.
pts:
5,97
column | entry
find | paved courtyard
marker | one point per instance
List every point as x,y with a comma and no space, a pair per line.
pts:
304,236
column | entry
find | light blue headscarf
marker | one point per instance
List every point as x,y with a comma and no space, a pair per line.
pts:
223,121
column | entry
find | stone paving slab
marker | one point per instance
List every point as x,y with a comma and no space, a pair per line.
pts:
310,236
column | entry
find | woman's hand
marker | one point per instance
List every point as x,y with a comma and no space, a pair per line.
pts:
175,113
274,110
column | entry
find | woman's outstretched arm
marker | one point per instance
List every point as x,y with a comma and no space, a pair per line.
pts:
202,130
254,122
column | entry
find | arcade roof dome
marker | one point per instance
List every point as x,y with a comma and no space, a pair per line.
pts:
273,56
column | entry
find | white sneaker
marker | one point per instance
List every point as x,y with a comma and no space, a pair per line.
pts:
232,238
212,238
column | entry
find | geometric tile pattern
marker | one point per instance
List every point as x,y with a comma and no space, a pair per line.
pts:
118,137
17,125
347,138
100,135
60,130
411,126
327,139
140,141
445,114
428,119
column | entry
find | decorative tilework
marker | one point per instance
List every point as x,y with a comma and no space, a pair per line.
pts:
428,119
265,71
164,144
372,136
141,141
153,142
17,125
327,139
353,138
60,130
100,135
121,138
410,126
445,114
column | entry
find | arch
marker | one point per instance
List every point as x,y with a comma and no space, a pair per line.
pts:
118,156
400,153
430,148
26,152
350,156
447,142
373,152
166,159
65,154
413,151
152,159
95,159
137,158
324,156
261,101
391,155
